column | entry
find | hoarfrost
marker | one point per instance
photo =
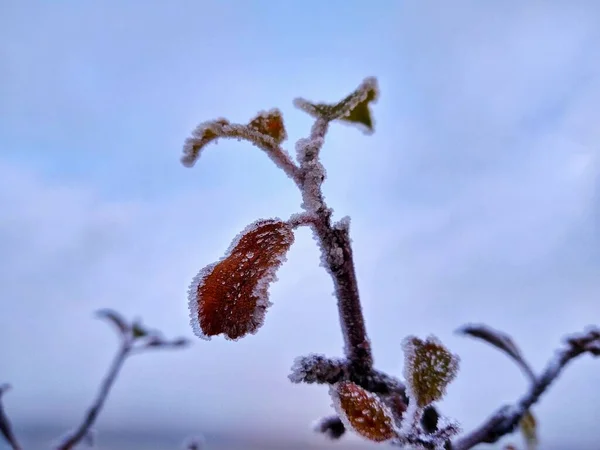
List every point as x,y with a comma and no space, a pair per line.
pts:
238,292
428,368
316,368
362,411
194,304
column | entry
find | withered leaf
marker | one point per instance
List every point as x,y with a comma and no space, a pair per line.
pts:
230,297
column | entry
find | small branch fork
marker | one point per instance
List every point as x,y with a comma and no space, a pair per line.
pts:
505,420
134,339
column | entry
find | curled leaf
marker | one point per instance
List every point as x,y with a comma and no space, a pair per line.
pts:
115,318
204,134
428,368
231,296
362,411
353,109
270,123
528,426
501,341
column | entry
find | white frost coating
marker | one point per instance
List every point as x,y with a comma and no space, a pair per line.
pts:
342,224
344,107
194,303
411,416
337,406
260,290
413,412
314,367
307,148
314,172
221,128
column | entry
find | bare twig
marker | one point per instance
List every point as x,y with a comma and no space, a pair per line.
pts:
5,426
92,414
505,420
501,341
134,339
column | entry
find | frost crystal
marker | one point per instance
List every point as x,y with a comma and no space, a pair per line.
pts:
353,109
316,368
230,297
362,411
429,367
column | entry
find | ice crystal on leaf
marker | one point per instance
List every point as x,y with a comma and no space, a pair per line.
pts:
428,368
362,411
230,297
266,131
204,134
353,109
270,123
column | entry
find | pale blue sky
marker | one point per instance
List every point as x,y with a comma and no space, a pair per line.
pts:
475,200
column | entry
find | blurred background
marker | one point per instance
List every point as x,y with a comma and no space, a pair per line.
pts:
476,200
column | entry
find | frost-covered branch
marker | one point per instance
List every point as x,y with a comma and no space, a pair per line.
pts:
134,338
5,426
505,420
266,131
230,297
336,250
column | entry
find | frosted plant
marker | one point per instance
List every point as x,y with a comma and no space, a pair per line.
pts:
230,298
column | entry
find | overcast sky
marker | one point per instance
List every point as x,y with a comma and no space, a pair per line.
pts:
476,200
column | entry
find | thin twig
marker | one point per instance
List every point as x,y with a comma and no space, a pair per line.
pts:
507,418
134,339
92,414
5,426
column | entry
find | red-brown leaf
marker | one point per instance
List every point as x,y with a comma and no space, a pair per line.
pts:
271,124
363,411
230,297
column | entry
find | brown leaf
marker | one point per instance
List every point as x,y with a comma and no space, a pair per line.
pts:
230,297
363,411
271,124
428,368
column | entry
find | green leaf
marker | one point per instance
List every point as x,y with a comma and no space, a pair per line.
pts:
528,426
353,109
428,368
